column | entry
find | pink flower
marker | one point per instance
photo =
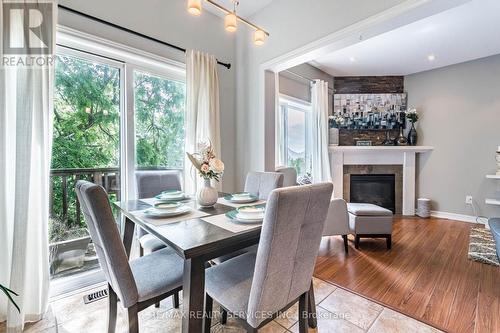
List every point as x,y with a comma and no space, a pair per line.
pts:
205,168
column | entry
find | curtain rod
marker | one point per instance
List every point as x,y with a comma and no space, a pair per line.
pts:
74,11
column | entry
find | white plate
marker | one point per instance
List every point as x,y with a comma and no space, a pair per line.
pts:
251,219
156,213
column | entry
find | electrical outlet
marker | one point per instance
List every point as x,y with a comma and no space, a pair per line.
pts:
468,199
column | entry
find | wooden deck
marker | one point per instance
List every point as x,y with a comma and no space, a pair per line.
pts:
426,275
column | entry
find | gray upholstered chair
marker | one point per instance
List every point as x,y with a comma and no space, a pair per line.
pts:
255,287
137,283
149,184
262,183
337,221
289,175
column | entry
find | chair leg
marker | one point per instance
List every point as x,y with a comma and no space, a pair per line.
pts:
389,242
313,318
346,248
223,318
112,301
157,304
133,319
356,242
141,251
175,300
209,303
303,322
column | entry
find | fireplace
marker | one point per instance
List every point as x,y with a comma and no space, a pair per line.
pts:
378,189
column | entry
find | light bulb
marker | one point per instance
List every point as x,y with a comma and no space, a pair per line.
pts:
230,22
194,7
259,37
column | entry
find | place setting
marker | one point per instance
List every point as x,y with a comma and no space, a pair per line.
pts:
241,199
239,219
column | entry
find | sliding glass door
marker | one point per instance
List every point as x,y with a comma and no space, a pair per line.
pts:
86,145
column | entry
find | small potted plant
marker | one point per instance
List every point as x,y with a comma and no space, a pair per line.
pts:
412,116
209,167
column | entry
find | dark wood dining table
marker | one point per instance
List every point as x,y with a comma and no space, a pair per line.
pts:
196,242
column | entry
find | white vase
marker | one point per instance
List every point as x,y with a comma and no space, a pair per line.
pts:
334,136
207,195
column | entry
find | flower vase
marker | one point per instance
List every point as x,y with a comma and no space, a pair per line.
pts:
412,136
207,195
401,140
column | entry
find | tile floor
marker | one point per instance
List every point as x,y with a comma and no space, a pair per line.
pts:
338,311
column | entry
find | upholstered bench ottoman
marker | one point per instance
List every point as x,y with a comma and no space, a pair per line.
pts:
370,221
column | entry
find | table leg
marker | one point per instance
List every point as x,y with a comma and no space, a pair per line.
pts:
128,235
193,292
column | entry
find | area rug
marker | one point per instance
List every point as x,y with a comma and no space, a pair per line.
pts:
482,246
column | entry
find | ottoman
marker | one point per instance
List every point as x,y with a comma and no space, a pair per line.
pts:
370,221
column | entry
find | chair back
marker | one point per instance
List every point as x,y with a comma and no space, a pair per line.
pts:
337,220
289,243
104,232
289,175
262,183
151,183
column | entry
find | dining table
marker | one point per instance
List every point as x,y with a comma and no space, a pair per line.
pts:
195,240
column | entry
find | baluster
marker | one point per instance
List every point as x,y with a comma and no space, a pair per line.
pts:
78,211
64,185
51,196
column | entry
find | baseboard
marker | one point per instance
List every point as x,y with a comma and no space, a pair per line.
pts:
453,216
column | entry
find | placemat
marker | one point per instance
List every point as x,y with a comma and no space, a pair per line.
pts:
224,222
151,201
223,201
167,220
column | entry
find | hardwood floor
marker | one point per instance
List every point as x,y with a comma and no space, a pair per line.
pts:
426,275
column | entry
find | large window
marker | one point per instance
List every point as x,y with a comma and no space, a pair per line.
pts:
116,110
295,121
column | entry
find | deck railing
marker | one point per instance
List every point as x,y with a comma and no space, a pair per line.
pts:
62,182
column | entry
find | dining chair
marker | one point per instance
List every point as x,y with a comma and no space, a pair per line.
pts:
149,184
337,221
261,184
289,175
138,283
256,287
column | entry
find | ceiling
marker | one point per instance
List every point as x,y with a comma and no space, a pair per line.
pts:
245,9
464,33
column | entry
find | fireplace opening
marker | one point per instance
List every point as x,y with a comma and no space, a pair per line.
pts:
376,189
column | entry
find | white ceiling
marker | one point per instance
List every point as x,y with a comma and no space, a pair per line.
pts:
464,33
245,9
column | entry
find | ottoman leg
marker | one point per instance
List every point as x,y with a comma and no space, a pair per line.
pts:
389,242
346,249
356,242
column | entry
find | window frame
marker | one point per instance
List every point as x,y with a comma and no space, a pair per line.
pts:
286,103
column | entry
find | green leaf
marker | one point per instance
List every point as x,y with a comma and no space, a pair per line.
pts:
8,292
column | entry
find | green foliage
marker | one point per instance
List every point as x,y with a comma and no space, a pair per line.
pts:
299,164
9,294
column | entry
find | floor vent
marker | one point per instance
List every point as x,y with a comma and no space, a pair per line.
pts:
95,296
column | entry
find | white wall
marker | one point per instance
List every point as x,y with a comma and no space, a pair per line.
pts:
292,24
169,21
460,116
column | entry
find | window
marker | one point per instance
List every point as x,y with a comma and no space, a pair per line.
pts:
116,109
294,122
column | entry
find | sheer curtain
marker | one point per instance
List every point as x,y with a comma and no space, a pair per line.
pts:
320,159
25,149
202,109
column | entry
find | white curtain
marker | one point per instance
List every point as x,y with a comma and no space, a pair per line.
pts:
202,109
25,150
320,162
279,125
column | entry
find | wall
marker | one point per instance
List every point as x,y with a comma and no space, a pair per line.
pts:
292,24
295,86
170,22
459,107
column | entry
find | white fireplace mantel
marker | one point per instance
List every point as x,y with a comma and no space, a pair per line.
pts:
378,155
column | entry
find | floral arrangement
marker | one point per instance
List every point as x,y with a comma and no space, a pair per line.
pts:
208,166
412,115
